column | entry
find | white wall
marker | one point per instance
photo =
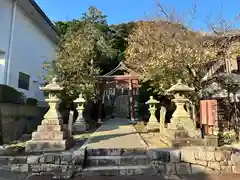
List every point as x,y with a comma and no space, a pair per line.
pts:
2,66
5,23
5,27
30,48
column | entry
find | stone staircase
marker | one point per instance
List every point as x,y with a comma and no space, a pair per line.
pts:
116,162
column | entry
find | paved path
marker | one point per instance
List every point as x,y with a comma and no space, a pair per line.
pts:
115,133
192,177
6,175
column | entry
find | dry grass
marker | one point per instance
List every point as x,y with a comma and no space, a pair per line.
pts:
152,139
140,126
85,135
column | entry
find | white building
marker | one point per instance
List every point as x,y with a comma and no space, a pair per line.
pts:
27,39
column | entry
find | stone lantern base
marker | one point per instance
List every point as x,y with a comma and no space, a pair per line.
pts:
49,136
80,127
152,126
182,127
181,130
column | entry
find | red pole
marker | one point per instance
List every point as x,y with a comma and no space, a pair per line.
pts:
131,100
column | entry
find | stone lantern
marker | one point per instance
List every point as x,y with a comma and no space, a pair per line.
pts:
50,135
181,123
53,90
152,124
80,124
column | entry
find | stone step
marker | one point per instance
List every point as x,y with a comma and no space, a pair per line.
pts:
116,152
51,122
46,145
50,135
93,161
116,170
46,128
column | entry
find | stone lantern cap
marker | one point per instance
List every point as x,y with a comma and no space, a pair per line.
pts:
53,86
152,101
80,99
180,87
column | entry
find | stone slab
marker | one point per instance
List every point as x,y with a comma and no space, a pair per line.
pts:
51,121
45,128
115,171
7,175
159,155
46,146
50,135
115,134
116,152
117,160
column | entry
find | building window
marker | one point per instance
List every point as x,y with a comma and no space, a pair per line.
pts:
23,81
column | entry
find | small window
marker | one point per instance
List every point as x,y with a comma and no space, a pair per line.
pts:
23,81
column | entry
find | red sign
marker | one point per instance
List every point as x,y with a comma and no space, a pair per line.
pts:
208,113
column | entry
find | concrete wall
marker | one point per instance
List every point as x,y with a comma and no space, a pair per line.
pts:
5,23
18,119
30,48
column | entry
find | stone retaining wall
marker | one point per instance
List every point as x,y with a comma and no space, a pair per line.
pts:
17,119
164,161
49,162
196,160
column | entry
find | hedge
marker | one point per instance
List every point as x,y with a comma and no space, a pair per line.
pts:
32,101
10,95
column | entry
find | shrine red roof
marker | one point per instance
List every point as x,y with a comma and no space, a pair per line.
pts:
121,67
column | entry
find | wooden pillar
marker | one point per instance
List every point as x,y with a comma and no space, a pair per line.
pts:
131,100
136,100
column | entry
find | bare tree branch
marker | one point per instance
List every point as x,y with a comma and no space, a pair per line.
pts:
162,9
193,14
220,24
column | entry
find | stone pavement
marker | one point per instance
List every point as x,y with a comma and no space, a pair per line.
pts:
116,134
6,175
192,177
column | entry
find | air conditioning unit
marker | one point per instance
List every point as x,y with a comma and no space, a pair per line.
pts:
34,79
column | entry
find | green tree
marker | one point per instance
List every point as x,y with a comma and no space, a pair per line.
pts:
63,26
93,15
85,45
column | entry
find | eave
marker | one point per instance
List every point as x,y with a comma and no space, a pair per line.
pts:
36,14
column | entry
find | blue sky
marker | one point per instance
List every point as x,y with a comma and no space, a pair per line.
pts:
118,11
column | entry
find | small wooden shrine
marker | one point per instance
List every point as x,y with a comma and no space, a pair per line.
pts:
118,82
